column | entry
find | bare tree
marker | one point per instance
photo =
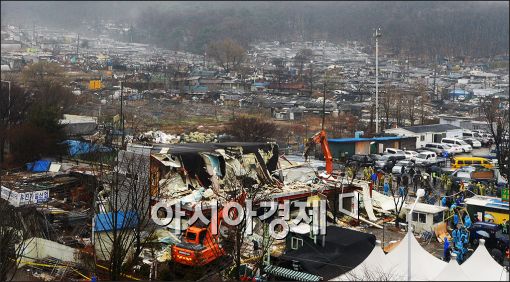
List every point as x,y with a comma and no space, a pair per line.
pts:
372,273
248,129
421,88
399,197
496,115
227,53
122,200
15,236
387,101
302,57
410,107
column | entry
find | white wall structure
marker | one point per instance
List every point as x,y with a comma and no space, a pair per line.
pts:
39,248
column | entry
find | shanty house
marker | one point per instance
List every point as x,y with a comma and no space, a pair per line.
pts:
105,224
346,147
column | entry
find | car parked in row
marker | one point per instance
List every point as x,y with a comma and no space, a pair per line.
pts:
393,151
410,155
426,158
473,142
402,166
360,160
466,148
386,162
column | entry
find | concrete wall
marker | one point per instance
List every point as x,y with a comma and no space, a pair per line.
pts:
39,248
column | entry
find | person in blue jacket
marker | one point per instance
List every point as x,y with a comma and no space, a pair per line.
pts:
446,249
467,221
386,188
443,201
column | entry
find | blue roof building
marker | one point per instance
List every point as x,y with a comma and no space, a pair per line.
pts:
104,221
345,147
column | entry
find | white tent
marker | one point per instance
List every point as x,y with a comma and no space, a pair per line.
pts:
452,272
480,266
374,267
424,266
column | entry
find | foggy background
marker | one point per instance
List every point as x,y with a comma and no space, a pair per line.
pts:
426,29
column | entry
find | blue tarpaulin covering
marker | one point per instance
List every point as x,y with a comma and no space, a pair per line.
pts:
104,221
76,147
39,166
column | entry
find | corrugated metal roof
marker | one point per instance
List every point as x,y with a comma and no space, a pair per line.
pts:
431,128
291,274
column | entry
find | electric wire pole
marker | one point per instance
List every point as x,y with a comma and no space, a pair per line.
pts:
324,105
377,34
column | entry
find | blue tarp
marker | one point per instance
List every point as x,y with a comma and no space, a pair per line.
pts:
76,147
39,166
104,221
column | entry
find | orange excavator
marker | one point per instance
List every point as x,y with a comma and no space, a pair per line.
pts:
200,246
320,138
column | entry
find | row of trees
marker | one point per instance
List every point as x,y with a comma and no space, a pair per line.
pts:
402,107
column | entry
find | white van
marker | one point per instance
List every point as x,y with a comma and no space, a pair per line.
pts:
454,141
392,151
426,157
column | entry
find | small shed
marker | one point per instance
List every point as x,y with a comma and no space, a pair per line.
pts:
425,216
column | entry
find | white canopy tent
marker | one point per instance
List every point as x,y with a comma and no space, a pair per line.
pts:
480,266
424,265
452,272
374,268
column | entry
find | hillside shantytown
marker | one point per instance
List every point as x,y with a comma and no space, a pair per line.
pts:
254,141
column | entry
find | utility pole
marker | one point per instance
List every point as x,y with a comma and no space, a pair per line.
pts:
78,47
377,35
121,111
311,78
435,89
324,105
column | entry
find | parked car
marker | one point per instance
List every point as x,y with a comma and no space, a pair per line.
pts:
392,151
386,162
426,158
491,232
437,148
360,160
473,142
454,141
406,165
482,136
410,155
459,162
454,148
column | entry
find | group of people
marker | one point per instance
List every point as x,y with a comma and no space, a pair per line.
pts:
388,181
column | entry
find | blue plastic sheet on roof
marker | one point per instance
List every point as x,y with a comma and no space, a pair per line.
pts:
104,221
39,166
76,147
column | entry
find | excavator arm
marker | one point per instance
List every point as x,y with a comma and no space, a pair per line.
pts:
320,138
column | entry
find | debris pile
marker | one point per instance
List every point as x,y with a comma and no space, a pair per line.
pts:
159,137
199,137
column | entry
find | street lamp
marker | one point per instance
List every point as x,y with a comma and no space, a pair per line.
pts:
420,193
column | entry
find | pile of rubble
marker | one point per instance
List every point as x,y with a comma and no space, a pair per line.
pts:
199,137
161,137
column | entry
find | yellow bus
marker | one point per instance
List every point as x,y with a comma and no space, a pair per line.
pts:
459,162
